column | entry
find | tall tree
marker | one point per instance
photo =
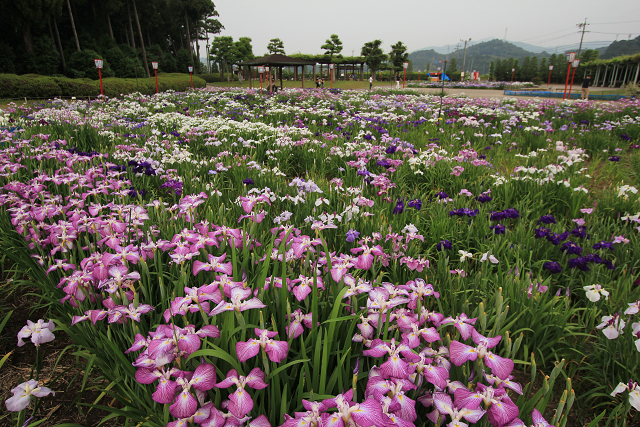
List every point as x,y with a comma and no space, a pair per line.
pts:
398,55
373,54
73,26
275,46
332,46
223,51
144,52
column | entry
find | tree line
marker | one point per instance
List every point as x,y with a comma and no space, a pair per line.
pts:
226,53
62,37
533,69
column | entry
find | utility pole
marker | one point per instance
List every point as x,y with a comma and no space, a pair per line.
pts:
584,27
464,56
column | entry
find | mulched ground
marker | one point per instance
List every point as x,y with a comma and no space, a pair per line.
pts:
61,370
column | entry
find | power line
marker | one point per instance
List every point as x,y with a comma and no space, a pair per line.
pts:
599,32
611,23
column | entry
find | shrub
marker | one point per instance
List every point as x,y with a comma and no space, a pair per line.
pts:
81,64
28,85
215,77
35,86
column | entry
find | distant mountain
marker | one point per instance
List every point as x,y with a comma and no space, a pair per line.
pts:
622,47
478,56
598,45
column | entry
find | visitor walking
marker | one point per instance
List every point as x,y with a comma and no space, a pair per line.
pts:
397,81
585,88
370,82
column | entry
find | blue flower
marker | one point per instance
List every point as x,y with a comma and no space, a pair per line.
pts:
415,204
352,235
553,267
498,228
614,158
444,244
248,181
547,219
399,206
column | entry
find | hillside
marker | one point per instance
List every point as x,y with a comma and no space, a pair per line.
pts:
622,47
478,56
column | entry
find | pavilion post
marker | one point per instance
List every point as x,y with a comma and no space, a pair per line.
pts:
281,85
295,73
303,77
361,71
626,72
250,78
314,72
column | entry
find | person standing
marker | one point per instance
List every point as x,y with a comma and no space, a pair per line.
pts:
585,87
397,81
370,82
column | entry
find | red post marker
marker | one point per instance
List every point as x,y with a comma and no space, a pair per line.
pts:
574,65
550,69
155,70
570,57
191,74
513,70
405,65
98,63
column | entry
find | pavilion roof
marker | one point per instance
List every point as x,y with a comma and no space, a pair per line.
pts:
277,60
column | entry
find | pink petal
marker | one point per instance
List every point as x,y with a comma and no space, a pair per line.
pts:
255,379
277,350
204,377
146,375
436,375
247,350
165,391
461,353
184,406
500,366
240,403
369,414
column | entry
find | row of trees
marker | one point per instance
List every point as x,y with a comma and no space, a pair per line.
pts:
64,36
536,70
227,53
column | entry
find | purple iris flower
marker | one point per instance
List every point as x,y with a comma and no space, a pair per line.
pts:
603,245
541,232
417,203
579,232
498,228
625,137
391,149
483,198
553,267
571,248
614,158
352,235
384,163
444,244
399,207
442,195
505,214
547,219
464,211
247,181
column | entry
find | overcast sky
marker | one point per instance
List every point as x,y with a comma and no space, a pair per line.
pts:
304,25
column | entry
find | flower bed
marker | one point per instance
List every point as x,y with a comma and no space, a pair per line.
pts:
320,258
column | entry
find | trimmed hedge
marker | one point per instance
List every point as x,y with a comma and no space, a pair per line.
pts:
35,86
215,77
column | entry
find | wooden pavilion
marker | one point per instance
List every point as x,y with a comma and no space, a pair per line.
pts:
279,61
